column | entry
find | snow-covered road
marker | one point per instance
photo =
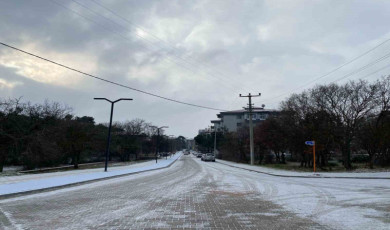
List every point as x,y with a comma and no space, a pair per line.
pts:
199,195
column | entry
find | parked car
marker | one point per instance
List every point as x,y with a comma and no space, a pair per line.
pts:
202,157
199,155
209,157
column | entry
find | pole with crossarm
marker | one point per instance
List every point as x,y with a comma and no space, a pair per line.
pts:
109,127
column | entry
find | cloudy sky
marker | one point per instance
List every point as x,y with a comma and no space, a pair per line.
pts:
203,52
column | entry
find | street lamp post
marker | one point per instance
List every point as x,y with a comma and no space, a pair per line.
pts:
109,127
172,142
158,139
215,140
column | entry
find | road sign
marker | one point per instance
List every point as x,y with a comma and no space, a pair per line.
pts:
311,143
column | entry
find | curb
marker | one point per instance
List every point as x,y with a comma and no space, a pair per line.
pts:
325,177
17,194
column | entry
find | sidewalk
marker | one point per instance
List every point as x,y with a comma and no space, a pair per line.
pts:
285,173
14,185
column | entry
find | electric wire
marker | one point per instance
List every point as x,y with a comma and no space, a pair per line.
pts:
384,67
169,44
363,68
177,57
332,71
364,77
167,58
171,47
356,71
108,81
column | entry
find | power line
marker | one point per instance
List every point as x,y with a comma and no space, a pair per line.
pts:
332,71
169,44
358,70
364,77
363,68
178,58
170,48
108,81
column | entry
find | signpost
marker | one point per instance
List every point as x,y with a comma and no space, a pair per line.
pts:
312,143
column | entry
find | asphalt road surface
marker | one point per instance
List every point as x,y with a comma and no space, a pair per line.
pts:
192,194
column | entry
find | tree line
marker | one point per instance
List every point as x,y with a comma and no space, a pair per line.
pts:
48,134
351,121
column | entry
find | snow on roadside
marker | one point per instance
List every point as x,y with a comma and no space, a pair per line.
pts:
27,177
339,203
307,174
61,180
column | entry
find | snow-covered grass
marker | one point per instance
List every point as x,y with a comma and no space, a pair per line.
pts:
340,203
27,177
357,168
18,184
279,172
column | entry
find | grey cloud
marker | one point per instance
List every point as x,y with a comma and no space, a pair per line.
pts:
301,40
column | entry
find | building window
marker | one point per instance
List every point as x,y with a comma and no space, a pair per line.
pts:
263,116
238,116
239,124
246,116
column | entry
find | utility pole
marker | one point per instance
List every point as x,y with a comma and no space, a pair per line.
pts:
109,127
250,108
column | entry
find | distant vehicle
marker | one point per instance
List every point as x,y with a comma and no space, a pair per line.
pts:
208,157
199,155
186,153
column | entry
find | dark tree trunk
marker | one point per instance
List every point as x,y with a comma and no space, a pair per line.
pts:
2,162
302,160
347,154
277,154
76,161
372,158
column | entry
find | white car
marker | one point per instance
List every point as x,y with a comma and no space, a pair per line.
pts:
208,157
